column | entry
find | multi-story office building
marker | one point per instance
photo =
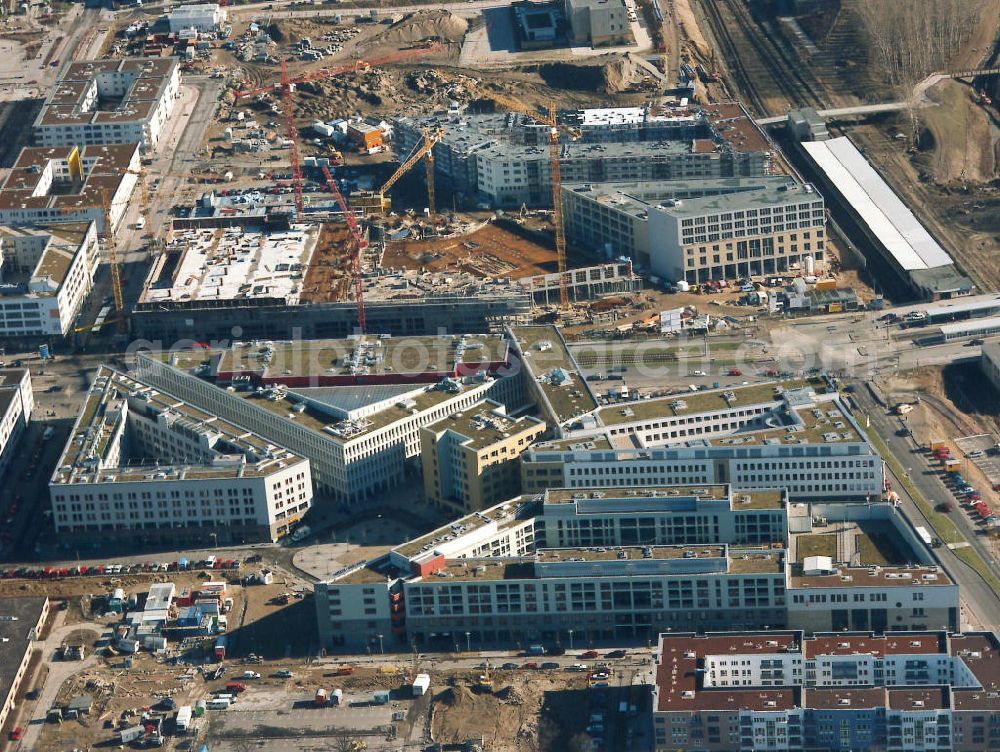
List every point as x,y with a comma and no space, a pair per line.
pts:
354,408
142,465
110,102
619,566
791,435
45,276
703,229
509,574
470,458
859,691
503,160
67,185
17,402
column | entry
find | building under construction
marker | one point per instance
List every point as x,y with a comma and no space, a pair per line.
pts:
502,160
251,280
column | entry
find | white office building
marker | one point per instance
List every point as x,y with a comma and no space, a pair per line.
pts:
359,440
791,435
144,466
605,566
45,276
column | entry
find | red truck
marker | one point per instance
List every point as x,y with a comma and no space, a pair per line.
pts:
236,687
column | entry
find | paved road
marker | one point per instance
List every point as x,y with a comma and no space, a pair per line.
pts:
58,673
981,600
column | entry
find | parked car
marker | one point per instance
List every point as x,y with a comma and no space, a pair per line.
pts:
529,665
283,673
590,654
509,666
616,654
549,665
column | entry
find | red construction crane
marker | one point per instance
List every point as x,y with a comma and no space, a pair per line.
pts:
355,65
358,244
292,134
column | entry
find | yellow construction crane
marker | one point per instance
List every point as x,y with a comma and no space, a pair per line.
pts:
379,201
549,119
112,248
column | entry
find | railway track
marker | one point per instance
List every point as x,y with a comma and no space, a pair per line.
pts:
762,68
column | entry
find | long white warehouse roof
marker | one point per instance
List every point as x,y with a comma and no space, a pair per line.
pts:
886,216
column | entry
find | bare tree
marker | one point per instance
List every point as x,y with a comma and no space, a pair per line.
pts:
909,40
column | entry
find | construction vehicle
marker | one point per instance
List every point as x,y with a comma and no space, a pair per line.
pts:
379,201
485,682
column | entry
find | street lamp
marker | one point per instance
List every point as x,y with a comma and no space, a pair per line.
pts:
571,639
215,539
468,642
381,648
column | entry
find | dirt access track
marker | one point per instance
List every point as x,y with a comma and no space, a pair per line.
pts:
489,251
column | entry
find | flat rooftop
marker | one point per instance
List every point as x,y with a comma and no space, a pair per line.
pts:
917,643
483,426
549,361
30,181
692,403
234,263
843,698
72,100
402,357
504,515
918,700
93,452
859,543
766,193
287,405
18,616
48,275
885,214
855,577
980,651
678,682
572,495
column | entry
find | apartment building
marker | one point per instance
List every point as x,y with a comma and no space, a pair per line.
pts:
469,459
21,623
702,229
45,276
67,185
600,566
142,465
790,691
17,402
360,440
502,160
794,435
598,23
110,102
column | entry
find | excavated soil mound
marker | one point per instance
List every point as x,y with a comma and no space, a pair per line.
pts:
436,25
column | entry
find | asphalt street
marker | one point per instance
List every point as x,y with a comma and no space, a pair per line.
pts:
983,602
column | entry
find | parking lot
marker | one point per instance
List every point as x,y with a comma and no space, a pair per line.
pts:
979,450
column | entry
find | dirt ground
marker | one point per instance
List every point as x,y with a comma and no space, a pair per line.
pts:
489,251
965,141
507,719
328,278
